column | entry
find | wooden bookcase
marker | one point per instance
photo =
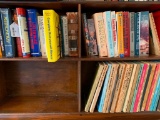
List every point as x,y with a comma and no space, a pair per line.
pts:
35,89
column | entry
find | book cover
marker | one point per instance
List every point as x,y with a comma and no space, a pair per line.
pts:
32,23
119,18
93,47
104,88
98,89
51,24
108,32
114,33
94,86
129,88
144,33
124,88
42,36
23,32
100,34
126,33
9,43
152,88
120,76
132,33
153,66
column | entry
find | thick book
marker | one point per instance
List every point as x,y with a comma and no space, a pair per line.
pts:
98,89
9,42
32,22
51,25
23,32
104,89
100,34
144,33
132,33
94,86
119,18
108,32
42,36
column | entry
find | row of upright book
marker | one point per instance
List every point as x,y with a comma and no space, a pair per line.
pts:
26,33
125,87
122,34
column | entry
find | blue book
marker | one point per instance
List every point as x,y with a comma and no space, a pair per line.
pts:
137,30
156,95
104,88
108,28
32,23
136,88
9,44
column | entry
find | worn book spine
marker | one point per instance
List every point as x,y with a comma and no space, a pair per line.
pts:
9,43
23,32
132,32
100,33
93,47
144,33
94,86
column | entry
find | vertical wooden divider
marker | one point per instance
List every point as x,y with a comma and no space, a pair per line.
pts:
79,55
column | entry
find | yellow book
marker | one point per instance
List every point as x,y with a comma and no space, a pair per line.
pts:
51,25
119,17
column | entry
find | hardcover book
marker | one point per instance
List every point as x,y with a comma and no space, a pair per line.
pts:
51,25
2,40
9,43
137,29
132,33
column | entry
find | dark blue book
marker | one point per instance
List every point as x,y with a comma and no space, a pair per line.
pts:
32,23
137,24
2,40
9,44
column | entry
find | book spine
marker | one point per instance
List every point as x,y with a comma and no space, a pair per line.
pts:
104,89
119,17
141,84
9,43
151,91
42,36
51,25
158,107
136,88
155,98
23,32
2,39
100,34
137,34
108,29
33,32
64,23
72,18
86,33
19,49
93,89
132,25
144,34
96,95
114,33
93,48
126,34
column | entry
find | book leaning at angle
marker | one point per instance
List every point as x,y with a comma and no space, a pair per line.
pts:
51,25
158,108
94,86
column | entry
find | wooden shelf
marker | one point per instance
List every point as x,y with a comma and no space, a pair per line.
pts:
40,104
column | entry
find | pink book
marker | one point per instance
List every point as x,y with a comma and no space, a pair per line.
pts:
152,87
140,87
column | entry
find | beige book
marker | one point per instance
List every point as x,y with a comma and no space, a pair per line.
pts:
100,34
129,88
124,87
100,82
94,86
153,66
110,85
132,88
118,86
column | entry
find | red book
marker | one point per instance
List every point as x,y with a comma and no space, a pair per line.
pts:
156,16
126,33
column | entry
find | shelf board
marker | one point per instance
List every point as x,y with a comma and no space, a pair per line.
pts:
40,104
97,58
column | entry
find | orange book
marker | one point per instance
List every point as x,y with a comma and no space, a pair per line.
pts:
119,18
